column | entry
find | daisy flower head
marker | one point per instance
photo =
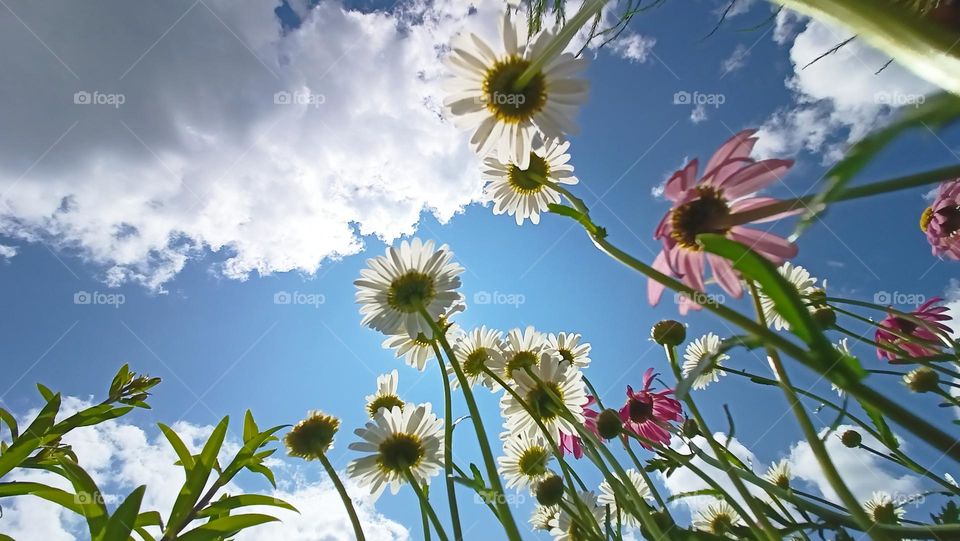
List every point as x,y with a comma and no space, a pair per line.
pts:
779,474
719,518
394,287
881,508
522,349
476,351
525,461
526,192
712,205
386,397
551,391
608,497
312,436
399,442
569,349
842,347
914,336
415,351
565,527
802,282
705,347
648,413
941,221
542,515
483,95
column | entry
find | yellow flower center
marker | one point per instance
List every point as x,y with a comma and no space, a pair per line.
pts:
706,214
530,180
533,461
542,402
411,291
507,104
521,360
387,401
476,362
400,452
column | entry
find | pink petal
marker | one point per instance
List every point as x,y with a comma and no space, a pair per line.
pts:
752,203
725,275
755,177
691,264
738,146
655,288
776,249
681,181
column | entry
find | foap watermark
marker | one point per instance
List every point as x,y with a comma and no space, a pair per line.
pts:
699,297
682,97
899,99
284,97
86,498
509,499
898,298
83,97
496,297
99,299
299,299
513,99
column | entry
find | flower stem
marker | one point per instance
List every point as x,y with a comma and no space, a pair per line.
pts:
506,517
347,502
425,505
448,447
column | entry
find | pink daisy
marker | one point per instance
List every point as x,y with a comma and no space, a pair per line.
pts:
648,413
924,341
941,221
710,205
570,443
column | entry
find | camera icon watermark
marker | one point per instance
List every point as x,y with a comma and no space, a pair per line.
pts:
83,97
899,99
512,99
285,97
86,498
699,297
682,97
299,299
99,299
890,298
496,297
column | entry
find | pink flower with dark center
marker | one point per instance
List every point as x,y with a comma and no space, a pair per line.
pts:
910,337
571,443
648,413
711,205
941,221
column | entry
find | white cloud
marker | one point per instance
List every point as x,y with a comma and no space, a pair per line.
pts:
736,60
199,157
739,7
825,116
699,113
633,47
121,456
7,252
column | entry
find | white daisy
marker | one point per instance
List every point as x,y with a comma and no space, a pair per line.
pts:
542,515
386,396
525,460
608,497
399,441
844,350
801,280
482,96
718,518
779,474
567,346
563,382
881,508
522,349
707,346
476,350
414,351
565,527
525,192
393,287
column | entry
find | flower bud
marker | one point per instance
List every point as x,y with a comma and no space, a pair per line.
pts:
690,428
668,333
922,380
851,438
550,491
609,424
824,317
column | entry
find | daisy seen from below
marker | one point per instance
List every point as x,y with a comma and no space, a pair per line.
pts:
417,351
541,389
712,205
482,96
940,222
719,518
386,397
476,351
881,508
648,413
542,515
842,347
569,349
916,335
312,436
608,497
705,347
806,286
399,443
522,349
525,461
394,287
779,474
565,527
527,191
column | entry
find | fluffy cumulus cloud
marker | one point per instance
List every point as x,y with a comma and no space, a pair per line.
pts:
825,116
121,456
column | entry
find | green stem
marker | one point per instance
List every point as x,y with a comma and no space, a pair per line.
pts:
425,506
448,447
347,502
506,516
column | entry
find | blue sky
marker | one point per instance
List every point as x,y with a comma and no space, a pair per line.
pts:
223,345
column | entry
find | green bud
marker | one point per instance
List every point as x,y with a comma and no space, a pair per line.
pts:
669,333
851,438
549,491
825,317
609,424
922,380
690,428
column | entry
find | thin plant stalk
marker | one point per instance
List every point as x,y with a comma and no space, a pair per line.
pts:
448,446
347,501
425,506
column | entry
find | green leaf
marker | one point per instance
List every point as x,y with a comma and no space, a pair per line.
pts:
580,217
249,426
702,492
886,435
233,502
124,519
58,496
34,436
45,392
197,476
225,527
186,459
11,423
89,498
264,471
149,518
